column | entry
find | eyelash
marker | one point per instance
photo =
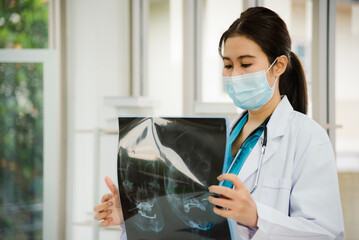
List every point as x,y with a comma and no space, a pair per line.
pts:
242,65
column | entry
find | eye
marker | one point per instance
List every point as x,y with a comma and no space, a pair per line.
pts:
245,65
227,66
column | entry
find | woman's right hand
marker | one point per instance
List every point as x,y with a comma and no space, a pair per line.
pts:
109,211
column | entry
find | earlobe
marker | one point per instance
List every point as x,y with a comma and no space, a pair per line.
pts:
281,65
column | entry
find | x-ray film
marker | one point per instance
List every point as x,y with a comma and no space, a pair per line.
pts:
165,166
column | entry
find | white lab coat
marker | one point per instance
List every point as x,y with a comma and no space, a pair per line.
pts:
298,193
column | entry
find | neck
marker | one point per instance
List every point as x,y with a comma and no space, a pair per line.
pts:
261,114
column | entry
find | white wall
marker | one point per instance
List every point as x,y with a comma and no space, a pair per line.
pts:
97,58
97,63
165,56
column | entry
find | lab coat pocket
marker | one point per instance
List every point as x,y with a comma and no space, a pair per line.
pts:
277,183
276,192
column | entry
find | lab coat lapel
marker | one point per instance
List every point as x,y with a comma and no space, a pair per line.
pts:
275,130
251,164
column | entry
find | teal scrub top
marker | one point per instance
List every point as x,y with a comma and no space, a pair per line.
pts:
235,164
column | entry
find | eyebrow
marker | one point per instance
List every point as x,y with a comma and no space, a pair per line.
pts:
240,57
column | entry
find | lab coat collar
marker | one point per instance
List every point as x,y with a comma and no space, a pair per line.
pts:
276,128
280,119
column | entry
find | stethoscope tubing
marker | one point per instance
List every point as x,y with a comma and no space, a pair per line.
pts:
260,161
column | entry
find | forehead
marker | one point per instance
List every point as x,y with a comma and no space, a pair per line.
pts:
237,46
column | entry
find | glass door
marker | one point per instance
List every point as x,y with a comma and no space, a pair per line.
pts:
21,150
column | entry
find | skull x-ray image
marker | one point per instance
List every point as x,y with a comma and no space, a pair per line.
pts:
165,166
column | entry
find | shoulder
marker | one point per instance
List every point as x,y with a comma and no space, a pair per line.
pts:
307,129
311,146
309,139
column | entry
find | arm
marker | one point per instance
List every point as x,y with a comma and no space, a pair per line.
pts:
315,208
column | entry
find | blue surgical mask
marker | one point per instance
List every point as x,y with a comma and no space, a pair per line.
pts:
250,91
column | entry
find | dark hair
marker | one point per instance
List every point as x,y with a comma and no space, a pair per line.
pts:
269,31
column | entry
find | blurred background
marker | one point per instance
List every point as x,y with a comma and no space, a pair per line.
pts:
69,68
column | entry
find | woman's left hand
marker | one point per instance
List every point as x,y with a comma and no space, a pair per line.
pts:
237,203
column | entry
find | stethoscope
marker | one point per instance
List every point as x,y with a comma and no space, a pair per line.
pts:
260,161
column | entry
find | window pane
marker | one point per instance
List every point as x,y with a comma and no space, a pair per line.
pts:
24,24
346,84
21,150
217,17
297,14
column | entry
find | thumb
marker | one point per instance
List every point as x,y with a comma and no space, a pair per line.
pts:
111,185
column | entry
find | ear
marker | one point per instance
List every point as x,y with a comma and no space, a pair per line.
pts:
280,66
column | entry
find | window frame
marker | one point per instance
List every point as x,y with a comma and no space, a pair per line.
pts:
138,53
54,118
52,175
192,64
323,71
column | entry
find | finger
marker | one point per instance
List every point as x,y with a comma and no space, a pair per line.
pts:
106,222
106,197
103,206
111,185
222,212
224,191
220,202
237,183
102,215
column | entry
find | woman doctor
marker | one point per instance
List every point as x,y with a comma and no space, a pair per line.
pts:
281,180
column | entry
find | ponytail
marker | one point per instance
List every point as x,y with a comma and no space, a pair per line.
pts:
293,84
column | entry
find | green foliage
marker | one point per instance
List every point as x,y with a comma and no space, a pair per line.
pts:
23,24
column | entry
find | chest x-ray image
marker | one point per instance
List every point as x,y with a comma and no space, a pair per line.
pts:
165,166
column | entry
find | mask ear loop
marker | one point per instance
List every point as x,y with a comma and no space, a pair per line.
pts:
275,81
272,64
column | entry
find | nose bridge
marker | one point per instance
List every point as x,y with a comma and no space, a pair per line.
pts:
236,70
